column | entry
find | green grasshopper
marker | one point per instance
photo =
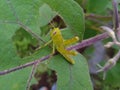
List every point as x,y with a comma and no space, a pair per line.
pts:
60,44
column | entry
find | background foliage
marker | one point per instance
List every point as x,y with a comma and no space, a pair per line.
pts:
24,27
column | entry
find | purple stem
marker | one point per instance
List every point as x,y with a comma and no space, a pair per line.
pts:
89,42
115,14
23,66
84,43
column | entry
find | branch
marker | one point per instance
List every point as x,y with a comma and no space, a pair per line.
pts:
31,75
24,66
115,14
84,43
89,42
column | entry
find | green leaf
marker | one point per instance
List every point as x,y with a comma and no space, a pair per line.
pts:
46,14
26,12
97,6
71,77
72,16
8,54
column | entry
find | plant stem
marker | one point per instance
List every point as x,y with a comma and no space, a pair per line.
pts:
82,44
24,65
89,41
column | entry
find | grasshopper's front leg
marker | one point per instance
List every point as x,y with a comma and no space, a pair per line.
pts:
53,51
45,44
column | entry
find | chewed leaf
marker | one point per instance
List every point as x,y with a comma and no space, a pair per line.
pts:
71,77
22,10
10,59
72,16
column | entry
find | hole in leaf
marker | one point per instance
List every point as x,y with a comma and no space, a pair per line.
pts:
25,44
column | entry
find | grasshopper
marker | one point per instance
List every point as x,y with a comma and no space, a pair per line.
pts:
60,44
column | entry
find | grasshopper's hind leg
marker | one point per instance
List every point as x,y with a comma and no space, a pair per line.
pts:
67,54
69,59
71,41
65,51
73,52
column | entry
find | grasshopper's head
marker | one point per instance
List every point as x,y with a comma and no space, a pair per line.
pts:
54,31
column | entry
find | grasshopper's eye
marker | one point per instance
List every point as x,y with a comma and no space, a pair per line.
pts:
54,33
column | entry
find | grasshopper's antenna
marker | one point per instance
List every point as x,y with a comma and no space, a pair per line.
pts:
51,22
58,21
53,26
